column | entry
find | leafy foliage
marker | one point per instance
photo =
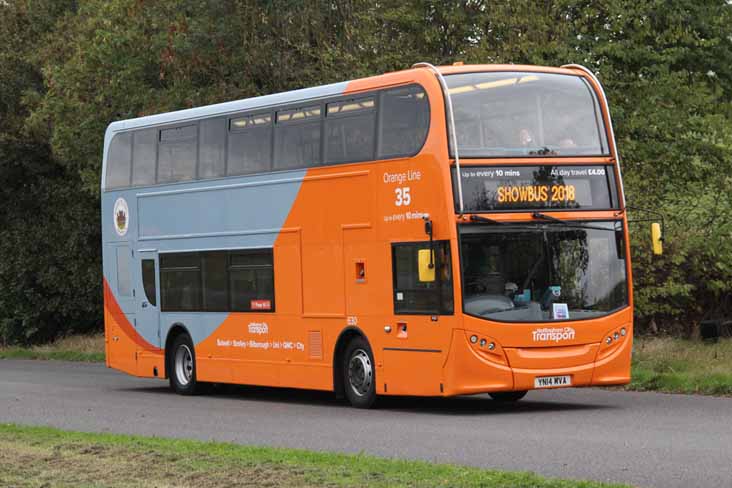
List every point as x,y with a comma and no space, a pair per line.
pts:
70,67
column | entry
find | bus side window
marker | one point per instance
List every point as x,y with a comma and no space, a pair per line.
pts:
212,148
215,281
250,144
148,280
251,279
119,161
412,296
180,282
177,154
350,130
144,157
405,118
297,138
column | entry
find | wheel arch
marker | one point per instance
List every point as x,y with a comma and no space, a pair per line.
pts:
346,336
175,330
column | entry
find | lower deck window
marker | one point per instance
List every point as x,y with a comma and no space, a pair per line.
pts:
217,281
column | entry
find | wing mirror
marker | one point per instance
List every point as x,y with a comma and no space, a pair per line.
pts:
426,260
656,238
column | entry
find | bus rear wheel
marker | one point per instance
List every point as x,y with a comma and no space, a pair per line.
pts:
182,366
359,375
508,396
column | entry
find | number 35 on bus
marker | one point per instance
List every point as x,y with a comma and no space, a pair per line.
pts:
434,231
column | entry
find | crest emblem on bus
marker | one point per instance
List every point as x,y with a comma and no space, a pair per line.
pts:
121,217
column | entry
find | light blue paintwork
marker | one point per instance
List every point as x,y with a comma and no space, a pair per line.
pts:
225,213
248,212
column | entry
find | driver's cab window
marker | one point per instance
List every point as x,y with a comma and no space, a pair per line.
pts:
422,285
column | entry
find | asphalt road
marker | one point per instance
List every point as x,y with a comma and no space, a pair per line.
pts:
646,439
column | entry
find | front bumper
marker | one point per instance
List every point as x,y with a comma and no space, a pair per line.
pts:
474,368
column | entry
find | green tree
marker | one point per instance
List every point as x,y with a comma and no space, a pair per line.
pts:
49,229
69,68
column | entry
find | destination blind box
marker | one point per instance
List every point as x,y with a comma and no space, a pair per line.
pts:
517,188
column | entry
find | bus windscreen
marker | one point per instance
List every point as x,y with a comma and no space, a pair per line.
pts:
519,114
543,273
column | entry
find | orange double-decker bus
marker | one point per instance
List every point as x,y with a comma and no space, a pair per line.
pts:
430,232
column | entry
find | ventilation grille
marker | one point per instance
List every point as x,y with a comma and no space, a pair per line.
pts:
315,344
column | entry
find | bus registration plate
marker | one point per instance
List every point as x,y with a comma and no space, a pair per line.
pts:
552,381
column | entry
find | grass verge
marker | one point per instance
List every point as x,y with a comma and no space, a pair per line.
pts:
74,348
681,366
41,456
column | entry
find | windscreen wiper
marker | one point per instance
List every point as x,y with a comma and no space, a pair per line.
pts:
571,225
542,216
485,220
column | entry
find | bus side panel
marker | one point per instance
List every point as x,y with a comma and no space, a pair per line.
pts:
124,344
324,207
121,350
413,372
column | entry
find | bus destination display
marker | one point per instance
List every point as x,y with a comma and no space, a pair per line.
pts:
489,188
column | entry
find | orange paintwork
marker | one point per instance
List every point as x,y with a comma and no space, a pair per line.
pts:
342,222
124,347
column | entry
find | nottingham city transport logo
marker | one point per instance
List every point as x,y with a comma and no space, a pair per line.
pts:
549,334
121,217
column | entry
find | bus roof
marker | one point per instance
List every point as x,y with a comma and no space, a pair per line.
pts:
311,93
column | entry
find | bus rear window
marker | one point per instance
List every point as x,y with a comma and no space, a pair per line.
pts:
512,114
119,161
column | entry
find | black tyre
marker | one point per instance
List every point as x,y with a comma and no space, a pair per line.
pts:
508,396
182,366
359,374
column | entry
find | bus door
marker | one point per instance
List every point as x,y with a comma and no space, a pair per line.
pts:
420,329
148,300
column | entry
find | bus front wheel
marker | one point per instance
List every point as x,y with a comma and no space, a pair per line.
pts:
182,366
508,396
359,375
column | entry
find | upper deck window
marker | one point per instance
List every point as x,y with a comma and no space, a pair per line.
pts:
515,114
250,144
177,154
404,121
119,161
143,157
297,138
212,148
380,124
350,130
